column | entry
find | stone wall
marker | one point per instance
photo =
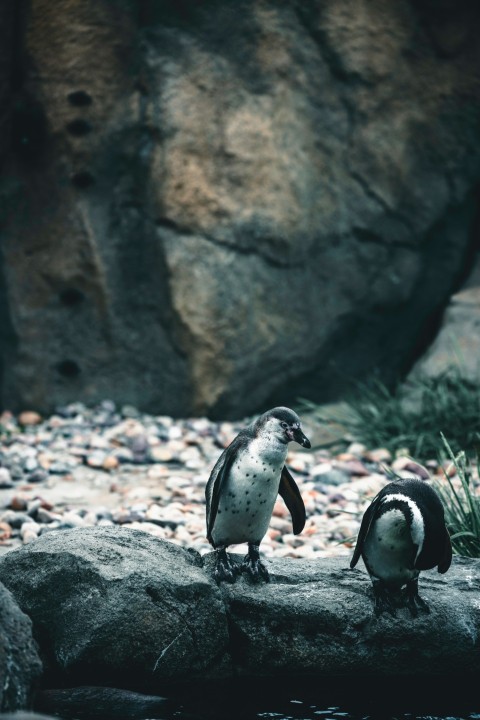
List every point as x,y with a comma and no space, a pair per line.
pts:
207,207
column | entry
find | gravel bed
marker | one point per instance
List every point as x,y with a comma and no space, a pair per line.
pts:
107,466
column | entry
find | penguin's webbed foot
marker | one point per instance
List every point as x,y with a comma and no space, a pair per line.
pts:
253,566
385,601
255,569
225,569
413,601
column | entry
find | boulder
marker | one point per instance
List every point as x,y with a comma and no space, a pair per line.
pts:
316,618
193,185
457,344
117,607
20,665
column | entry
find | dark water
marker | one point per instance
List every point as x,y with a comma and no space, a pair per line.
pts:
402,698
362,699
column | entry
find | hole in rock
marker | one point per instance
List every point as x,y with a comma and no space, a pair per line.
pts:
68,368
79,98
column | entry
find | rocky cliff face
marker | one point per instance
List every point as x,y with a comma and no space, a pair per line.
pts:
210,206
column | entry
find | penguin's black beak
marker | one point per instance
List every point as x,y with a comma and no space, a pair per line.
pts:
301,438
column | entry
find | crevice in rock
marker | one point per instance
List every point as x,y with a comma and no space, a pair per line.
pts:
173,226
238,640
368,236
305,13
159,600
173,323
369,192
255,251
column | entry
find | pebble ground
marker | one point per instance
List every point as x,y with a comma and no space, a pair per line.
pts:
108,466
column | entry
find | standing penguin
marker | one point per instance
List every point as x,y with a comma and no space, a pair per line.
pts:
244,485
402,532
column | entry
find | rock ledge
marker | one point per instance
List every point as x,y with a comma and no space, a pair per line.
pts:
121,608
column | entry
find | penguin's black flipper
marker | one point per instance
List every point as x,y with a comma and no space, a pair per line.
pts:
290,493
217,477
368,516
436,550
446,560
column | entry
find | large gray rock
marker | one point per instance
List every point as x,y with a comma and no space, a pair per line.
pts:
118,607
198,184
457,344
20,665
317,618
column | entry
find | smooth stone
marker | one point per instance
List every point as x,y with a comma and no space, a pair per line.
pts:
18,503
333,477
29,417
60,468
37,476
5,478
119,607
30,464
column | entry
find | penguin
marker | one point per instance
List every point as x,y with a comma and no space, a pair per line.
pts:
243,487
402,532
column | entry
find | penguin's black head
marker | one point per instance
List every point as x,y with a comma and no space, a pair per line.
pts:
286,425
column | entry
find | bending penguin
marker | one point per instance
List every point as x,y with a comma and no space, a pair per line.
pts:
402,532
243,487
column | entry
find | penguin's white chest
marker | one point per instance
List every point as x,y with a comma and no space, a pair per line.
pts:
389,551
249,493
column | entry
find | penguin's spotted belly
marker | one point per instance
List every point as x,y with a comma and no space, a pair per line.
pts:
242,488
389,550
247,502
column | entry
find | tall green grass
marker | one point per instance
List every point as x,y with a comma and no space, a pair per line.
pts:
419,419
461,504
413,416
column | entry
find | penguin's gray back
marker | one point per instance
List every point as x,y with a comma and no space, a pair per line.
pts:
249,492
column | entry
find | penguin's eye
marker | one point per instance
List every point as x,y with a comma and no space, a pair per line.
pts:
284,425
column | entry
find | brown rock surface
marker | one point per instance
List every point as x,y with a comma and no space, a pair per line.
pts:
210,205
